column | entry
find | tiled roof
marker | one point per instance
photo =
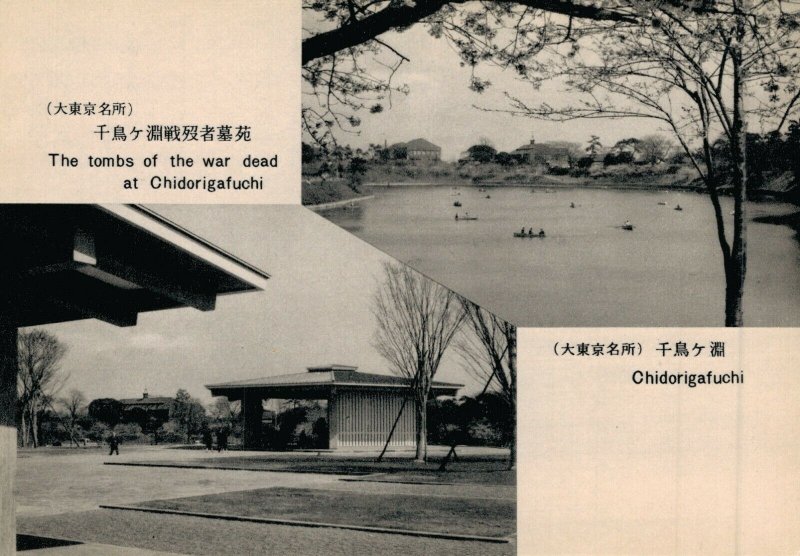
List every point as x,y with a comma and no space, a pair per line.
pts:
422,145
150,400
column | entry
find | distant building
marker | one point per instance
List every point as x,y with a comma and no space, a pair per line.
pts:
419,149
147,411
543,154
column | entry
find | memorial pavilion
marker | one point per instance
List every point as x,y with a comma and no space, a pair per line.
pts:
362,407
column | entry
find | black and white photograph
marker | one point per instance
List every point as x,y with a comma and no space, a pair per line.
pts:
400,277
221,379
566,163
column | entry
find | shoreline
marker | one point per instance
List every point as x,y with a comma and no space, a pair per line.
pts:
544,185
338,204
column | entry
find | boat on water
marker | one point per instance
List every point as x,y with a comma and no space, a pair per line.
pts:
529,233
488,196
457,204
678,207
662,203
627,227
526,234
465,217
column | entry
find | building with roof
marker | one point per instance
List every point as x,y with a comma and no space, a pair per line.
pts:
419,149
148,411
544,154
361,407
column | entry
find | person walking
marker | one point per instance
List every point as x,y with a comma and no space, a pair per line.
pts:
113,444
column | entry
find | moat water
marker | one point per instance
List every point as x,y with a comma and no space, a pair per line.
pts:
588,271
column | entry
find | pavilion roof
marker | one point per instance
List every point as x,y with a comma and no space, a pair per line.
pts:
322,379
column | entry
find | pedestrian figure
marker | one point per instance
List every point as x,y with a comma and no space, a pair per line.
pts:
222,440
113,443
207,439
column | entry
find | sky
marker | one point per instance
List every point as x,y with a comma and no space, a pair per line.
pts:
441,108
315,310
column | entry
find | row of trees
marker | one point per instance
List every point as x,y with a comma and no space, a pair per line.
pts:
417,322
46,416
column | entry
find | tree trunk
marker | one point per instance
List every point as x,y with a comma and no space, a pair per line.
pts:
512,371
737,264
35,427
23,427
421,406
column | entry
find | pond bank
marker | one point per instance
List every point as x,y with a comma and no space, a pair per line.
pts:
338,204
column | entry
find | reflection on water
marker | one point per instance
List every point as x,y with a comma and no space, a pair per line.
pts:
588,271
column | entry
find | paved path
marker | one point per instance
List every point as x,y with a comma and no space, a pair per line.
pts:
58,496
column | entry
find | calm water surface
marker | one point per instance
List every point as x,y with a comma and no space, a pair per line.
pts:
588,271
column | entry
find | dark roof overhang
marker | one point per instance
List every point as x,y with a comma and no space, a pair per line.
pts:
109,262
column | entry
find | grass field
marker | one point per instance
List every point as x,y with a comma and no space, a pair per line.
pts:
436,514
474,470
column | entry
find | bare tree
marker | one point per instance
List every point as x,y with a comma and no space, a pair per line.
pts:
655,148
39,378
416,321
224,411
488,349
74,405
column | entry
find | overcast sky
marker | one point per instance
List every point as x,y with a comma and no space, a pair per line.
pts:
441,108
315,310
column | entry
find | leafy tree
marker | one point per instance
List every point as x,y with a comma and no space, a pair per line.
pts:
38,380
416,321
355,172
308,153
188,413
106,410
620,157
398,152
505,159
482,153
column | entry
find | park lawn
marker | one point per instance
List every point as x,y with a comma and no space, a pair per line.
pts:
475,470
436,514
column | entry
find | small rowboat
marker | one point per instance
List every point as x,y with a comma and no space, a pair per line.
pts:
467,217
457,204
678,207
627,226
537,236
